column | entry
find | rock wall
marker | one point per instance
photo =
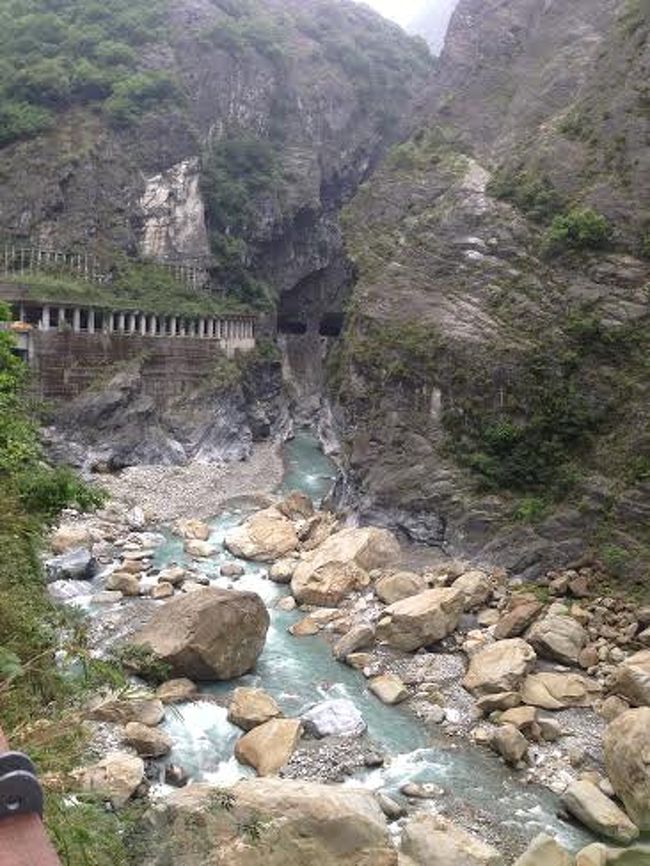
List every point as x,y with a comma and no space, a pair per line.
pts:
491,393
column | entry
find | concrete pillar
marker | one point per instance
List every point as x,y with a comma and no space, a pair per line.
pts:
172,326
61,317
91,321
183,328
131,326
153,326
21,313
143,325
202,333
45,318
121,322
76,320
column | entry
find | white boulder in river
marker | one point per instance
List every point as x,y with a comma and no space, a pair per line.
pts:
334,718
210,634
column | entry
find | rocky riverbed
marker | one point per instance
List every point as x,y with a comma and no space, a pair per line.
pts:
455,693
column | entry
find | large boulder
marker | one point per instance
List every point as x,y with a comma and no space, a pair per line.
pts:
389,688
340,565
544,851
209,634
359,637
117,776
296,506
559,638
176,691
249,708
338,717
517,620
78,564
475,586
429,840
633,679
398,585
499,667
586,802
627,757
268,747
302,823
422,619
147,710
264,537
148,742
557,691
510,743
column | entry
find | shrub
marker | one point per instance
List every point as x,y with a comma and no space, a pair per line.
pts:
139,93
580,228
532,194
46,492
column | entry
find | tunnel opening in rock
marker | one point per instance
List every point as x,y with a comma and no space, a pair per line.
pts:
287,325
331,325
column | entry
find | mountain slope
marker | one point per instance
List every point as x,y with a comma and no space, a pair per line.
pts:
492,385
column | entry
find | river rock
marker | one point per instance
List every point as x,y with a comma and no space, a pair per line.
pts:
268,747
330,572
78,564
338,717
282,570
544,851
113,708
177,691
121,581
401,584
249,708
499,667
430,840
516,621
586,802
611,708
592,855
264,537
161,591
191,528
422,619
633,679
208,634
296,506
199,549
557,691
148,742
359,637
510,743
117,777
312,825
389,688
559,638
498,701
108,596
635,855
231,569
475,586
70,537
173,575
626,746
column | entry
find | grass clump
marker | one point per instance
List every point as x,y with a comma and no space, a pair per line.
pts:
533,194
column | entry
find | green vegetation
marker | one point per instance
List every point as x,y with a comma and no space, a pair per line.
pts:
132,285
38,696
429,147
579,229
55,54
391,355
532,194
238,173
139,659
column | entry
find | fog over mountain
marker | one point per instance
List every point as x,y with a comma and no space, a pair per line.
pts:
431,21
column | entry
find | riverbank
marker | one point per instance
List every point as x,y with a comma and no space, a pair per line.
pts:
167,493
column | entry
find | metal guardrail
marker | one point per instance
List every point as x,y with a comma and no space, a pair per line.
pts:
16,260
23,840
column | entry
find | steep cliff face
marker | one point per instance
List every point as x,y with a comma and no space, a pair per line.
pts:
276,112
492,383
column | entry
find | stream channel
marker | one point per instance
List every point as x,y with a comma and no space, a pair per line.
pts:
299,672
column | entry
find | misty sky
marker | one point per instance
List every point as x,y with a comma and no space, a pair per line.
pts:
401,11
